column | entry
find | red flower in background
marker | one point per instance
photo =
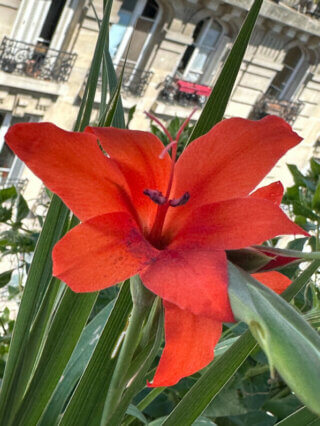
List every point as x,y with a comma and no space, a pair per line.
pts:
170,222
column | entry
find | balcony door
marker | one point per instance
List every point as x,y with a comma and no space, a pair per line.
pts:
287,81
137,20
197,62
37,20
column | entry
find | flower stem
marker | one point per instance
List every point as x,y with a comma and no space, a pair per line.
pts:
142,301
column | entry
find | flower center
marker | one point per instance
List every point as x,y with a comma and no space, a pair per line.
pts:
155,195
158,198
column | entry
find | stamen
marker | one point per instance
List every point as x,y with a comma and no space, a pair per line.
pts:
156,120
180,201
155,195
163,153
185,123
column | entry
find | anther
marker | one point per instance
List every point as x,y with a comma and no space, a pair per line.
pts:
180,201
155,195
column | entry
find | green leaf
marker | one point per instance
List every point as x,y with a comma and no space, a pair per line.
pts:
5,277
40,270
39,330
131,112
257,418
139,380
301,417
227,402
304,211
86,405
292,194
315,166
249,259
22,208
299,178
101,51
219,373
132,410
37,281
65,330
217,102
316,198
75,367
118,118
289,342
5,214
106,118
8,193
297,244
201,421
108,76
282,407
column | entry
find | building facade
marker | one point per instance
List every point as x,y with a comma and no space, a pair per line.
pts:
177,50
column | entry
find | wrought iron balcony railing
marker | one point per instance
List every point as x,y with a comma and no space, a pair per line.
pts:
20,184
184,92
35,60
308,7
288,110
134,81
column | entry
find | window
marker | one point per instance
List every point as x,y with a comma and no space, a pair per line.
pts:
136,23
117,31
197,62
286,81
10,165
50,24
37,21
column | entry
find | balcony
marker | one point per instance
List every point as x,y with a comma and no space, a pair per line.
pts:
266,105
20,184
36,61
184,92
309,7
134,81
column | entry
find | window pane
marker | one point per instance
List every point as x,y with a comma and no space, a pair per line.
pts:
151,9
140,34
118,30
6,157
129,5
211,37
281,79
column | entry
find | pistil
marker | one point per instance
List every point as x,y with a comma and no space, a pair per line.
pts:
163,201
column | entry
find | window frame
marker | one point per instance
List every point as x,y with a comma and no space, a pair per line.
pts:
206,76
137,12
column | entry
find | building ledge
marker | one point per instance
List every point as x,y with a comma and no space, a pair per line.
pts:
282,14
28,84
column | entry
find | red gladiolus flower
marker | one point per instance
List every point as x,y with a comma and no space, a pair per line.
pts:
169,221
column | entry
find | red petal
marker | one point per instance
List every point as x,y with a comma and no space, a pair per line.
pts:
229,161
235,224
71,165
274,280
193,279
101,252
272,192
137,154
190,342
